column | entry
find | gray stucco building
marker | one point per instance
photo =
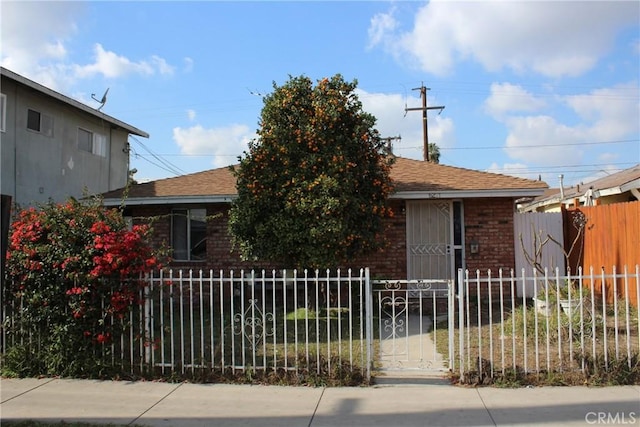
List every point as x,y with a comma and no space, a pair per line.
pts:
54,147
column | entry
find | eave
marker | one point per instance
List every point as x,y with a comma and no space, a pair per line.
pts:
466,194
170,200
72,102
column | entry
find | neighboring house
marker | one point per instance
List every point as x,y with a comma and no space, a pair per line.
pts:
620,187
54,147
445,218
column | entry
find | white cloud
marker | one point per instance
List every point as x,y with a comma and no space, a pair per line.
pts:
393,121
223,144
513,169
614,112
550,38
35,32
191,114
381,25
188,64
112,65
550,137
603,115
506,98
40,49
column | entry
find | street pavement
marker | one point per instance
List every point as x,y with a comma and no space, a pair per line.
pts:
427,402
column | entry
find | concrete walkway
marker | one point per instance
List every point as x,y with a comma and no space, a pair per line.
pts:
427,404
409,347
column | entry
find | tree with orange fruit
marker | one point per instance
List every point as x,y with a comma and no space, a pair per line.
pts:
314,184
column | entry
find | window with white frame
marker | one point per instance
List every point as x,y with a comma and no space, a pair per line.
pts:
38,122
189,234
92,142
3,112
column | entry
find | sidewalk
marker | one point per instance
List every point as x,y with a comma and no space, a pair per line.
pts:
163,404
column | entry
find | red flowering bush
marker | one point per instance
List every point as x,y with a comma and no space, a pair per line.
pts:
75,268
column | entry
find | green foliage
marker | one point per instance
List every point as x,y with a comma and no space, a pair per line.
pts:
73,273
434,153
313,188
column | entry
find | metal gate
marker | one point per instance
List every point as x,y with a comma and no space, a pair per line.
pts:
430,240
406,317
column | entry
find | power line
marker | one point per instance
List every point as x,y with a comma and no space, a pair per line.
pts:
497,147
159,166
168,166
564,167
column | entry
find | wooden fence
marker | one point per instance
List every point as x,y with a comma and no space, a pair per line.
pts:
611,236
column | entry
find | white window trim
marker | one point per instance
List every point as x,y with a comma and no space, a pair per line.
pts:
98,142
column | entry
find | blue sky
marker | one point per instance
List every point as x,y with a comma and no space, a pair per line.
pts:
529,88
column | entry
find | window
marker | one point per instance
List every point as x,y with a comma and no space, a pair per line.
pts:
189,234
39,122
3,112
94,143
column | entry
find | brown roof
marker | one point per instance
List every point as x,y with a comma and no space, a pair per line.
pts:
417,175
615,180
409,176
214,182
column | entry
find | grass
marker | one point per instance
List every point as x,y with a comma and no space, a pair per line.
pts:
319,346
529,348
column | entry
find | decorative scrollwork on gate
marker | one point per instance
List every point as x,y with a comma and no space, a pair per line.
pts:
419,288
393,320
392,286
253,324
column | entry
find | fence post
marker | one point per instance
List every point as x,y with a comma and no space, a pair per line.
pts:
369,320
147,322
460,322
451,322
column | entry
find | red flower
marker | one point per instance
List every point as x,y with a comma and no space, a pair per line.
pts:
103,338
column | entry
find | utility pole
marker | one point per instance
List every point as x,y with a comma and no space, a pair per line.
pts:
425,132
389,145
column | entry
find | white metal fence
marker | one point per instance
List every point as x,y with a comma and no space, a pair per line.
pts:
256,320
317,322
407,317
580,322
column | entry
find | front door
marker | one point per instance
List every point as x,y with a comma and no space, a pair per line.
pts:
431,253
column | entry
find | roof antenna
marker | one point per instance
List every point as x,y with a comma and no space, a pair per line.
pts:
101,101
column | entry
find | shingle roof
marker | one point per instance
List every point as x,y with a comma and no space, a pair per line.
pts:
408,175
627,177
214,182
417,175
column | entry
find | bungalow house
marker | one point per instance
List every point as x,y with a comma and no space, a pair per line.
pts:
445,218
620,187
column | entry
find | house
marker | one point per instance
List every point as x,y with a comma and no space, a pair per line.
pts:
54,147
620,187
445,218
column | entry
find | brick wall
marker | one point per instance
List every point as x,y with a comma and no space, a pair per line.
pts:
219,251
487,221
390,262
